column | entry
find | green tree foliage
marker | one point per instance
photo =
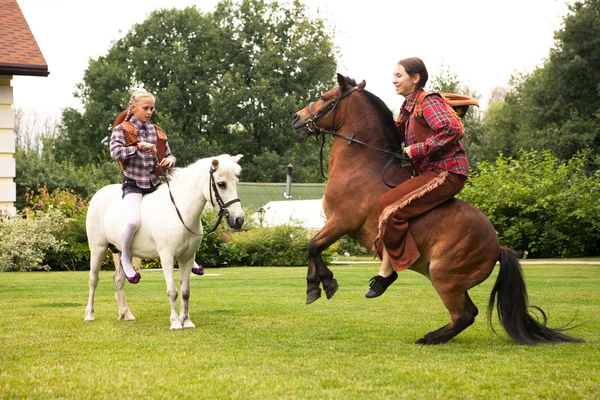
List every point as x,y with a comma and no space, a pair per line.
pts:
36,169
225,82
557,107
539,203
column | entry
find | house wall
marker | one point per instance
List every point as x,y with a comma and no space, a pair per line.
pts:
8,191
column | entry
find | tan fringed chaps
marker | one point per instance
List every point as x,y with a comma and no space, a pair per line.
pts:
408,200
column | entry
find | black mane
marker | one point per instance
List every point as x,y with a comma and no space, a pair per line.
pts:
387,120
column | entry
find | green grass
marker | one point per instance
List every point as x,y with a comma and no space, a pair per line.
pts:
256,338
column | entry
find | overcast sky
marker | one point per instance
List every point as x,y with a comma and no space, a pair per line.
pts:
483,42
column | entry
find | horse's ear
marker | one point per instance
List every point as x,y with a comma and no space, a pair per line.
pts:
215,163
362,84
341,80
237,158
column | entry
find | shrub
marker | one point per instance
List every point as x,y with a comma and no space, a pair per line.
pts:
25,239
285,245
540,204
348,245
74,252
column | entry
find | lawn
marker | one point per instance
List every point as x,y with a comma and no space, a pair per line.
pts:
256,338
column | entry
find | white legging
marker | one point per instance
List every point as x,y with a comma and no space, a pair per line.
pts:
131,203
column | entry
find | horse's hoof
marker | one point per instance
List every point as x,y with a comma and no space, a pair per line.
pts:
313,295
89,318
176,326
330,286
126,316
188,324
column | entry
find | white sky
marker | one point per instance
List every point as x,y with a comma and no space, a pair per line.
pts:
483,42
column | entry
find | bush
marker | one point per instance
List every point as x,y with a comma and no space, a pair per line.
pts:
348,245
540,204
25,239
285,245
74,252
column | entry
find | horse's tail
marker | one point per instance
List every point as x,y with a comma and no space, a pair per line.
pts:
513,306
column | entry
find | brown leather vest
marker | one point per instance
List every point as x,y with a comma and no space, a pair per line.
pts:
421,128
131,139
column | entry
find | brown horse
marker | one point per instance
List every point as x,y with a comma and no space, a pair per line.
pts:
458,244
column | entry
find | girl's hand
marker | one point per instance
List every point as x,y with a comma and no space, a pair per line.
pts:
147,147
407,151
166,162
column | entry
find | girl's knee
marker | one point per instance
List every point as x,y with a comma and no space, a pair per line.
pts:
132,226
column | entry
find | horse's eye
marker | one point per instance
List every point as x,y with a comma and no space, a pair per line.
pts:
323,98
222,185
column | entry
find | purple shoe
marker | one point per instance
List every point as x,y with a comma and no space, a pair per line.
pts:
197,269
133,280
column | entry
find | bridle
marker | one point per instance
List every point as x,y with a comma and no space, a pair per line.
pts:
223,212
312,127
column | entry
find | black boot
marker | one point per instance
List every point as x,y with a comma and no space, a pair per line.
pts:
379,284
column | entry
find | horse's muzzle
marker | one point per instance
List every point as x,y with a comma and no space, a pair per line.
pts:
300,125
235,222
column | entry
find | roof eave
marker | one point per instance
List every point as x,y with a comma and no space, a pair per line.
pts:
24,69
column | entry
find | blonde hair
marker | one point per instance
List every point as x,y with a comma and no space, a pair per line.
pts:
135,98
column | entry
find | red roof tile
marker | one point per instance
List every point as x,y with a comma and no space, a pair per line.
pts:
19,52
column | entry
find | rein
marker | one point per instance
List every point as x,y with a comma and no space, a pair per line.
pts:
222,205
331,107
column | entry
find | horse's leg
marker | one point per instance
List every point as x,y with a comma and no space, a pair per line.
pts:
167,262
96,256
185,268
462,312
119,282
317,270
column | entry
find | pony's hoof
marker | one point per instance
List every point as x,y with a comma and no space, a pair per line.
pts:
176,326
89,318
330,286
313,295
126,316
188,324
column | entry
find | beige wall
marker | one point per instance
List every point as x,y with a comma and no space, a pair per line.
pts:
8,192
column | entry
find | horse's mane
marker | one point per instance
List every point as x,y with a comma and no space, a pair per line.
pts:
387,120
226,164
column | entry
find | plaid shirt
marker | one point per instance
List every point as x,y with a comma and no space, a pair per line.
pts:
443,151
139,165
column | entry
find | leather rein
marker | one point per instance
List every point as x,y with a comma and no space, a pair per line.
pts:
312,127
223,212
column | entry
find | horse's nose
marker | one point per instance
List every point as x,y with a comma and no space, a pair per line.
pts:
295,118
239,222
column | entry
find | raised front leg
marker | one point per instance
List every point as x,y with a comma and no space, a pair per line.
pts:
185,268
167,267
317,270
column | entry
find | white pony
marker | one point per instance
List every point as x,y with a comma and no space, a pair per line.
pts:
161,233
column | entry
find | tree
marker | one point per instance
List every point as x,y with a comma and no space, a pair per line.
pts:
225,82
557,107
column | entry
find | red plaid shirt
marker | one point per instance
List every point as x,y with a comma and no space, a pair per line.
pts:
139,165
443,151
